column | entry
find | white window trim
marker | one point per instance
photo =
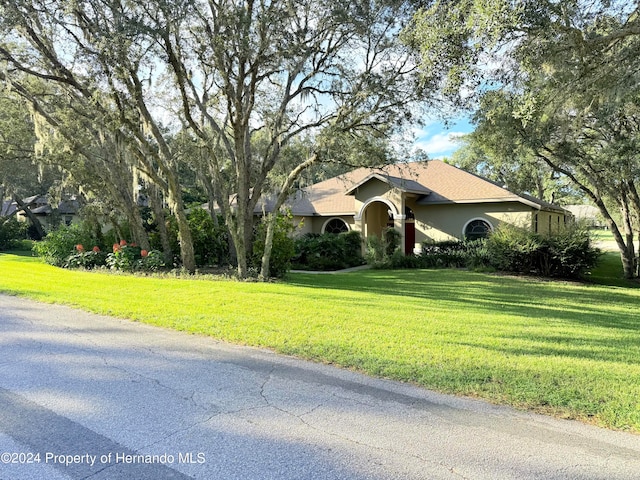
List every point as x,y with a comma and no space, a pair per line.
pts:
324,225
464,229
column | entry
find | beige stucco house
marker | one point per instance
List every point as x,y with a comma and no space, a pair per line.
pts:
424,201
66,212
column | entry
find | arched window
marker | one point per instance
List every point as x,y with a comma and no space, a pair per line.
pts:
477,228
335,225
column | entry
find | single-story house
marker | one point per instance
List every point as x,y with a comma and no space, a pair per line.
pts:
8,209
587,214
424,201
67,211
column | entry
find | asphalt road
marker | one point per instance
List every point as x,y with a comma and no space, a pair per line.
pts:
90,397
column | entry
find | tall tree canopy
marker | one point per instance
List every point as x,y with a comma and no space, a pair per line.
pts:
241,79
556,81
20,174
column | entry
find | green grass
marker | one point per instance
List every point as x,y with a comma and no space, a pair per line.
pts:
609,272
601,234
565,349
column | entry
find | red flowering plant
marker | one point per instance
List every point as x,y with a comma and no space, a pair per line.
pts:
124,256
129,257
85,259
151,260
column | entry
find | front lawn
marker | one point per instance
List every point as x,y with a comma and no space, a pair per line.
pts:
565,349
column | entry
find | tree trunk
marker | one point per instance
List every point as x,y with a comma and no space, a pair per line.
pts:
158,212
239,239
627,255
186,242
273,218
32,218
138,233
184,235
265,270
116,227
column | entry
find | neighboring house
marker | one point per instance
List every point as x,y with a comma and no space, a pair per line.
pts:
424,201
8,209
66,212
587,214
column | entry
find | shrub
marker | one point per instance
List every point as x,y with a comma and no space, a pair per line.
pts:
282,250
447,254
124,256
86,259
392,238
328,251
513,249
567,254
210,242
400,260
152,261
379,251
129,257
12,232
375,251
60,243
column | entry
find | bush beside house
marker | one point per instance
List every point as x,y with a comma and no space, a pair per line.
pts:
283,247
566,254
328,251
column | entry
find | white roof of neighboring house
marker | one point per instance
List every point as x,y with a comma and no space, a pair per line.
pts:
8,208
583,211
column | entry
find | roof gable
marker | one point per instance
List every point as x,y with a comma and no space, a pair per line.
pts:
403,184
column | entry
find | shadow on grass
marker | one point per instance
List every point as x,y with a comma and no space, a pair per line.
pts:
585,347
18,253
609,272
517,296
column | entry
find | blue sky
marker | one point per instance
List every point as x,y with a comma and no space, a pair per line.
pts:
437,140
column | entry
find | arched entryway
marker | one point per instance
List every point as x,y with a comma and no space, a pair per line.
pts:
375,215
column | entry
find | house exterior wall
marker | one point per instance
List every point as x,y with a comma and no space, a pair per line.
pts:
437,223
546,223
303,225
51,221
376,189
316,224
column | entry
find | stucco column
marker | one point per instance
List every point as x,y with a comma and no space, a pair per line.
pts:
359,225
398,224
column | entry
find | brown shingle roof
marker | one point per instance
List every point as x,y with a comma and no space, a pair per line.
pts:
439,182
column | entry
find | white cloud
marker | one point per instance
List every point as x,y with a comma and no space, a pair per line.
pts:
438,139
441,144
